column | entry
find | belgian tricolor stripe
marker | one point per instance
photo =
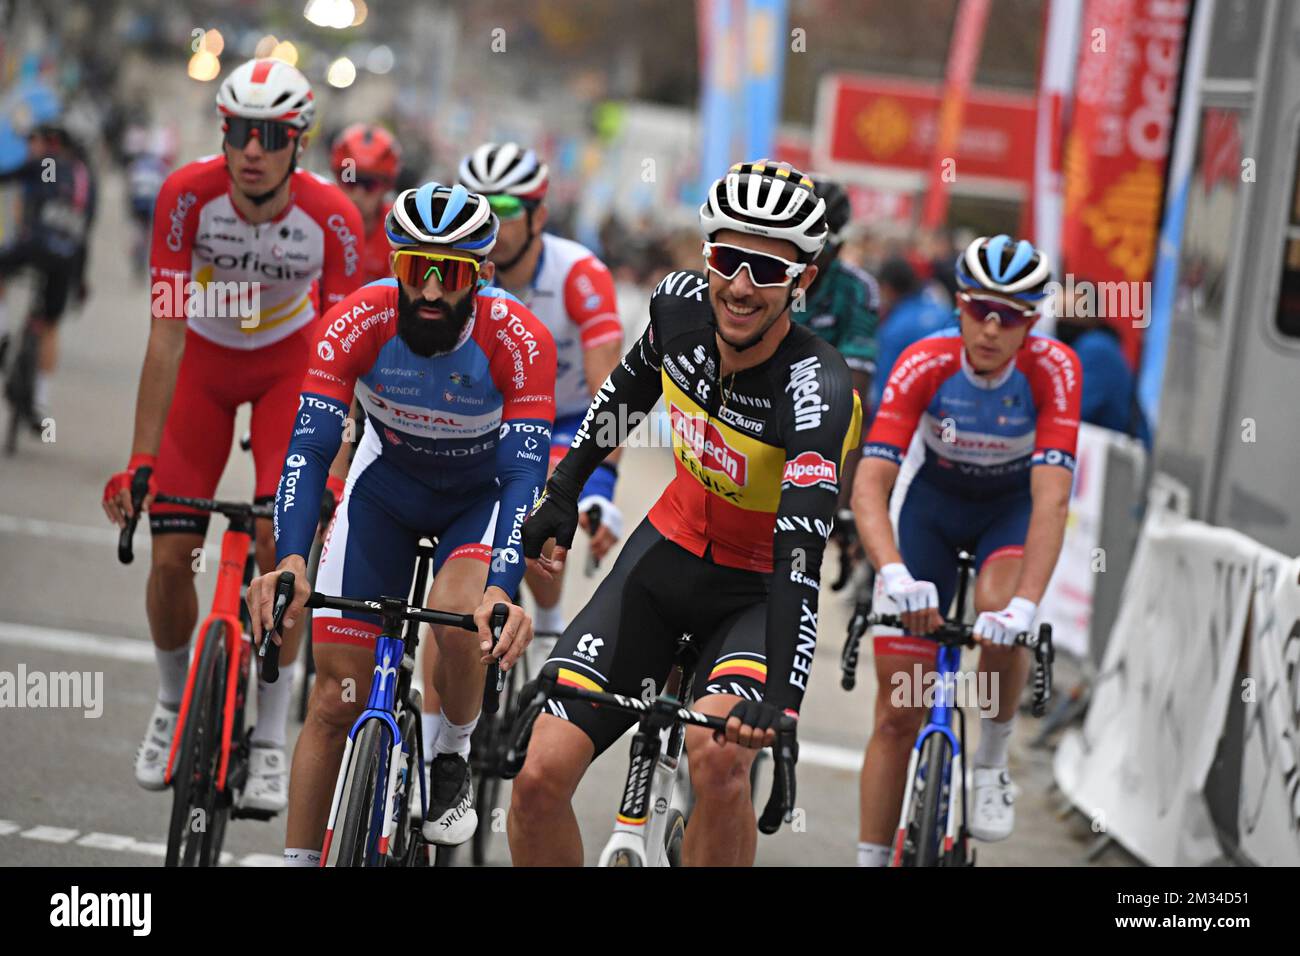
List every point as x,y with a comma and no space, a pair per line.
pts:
740,667
572,678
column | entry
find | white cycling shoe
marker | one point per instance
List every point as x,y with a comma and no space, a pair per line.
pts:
993,816
151,756
268,780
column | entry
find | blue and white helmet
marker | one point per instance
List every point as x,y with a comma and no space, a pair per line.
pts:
438,215
1004,266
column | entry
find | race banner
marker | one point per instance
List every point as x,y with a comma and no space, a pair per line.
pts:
1055,88
1130,54
1139,765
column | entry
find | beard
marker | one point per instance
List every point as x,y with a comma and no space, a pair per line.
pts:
429,337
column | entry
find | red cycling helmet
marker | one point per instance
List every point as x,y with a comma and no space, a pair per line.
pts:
372,148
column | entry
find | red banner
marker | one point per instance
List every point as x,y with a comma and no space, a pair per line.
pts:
1118,146
881,123
963,54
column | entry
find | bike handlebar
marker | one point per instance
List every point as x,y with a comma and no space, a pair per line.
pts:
140,490
407,612
785,748
269,653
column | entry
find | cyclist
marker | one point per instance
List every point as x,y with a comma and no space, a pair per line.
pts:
911,312
457,380
366,159
572,293
243,232
58,210
762,416
842,306
998,413
150,154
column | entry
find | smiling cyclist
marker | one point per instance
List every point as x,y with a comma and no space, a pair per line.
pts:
762,415
998,413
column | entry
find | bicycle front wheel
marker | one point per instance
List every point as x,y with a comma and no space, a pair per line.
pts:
934,800
194,784
363,820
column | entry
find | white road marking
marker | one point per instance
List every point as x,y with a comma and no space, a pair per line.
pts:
811,752
78,642
49,834
119,843
62,531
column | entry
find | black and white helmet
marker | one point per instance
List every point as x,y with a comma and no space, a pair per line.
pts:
505,169
765,198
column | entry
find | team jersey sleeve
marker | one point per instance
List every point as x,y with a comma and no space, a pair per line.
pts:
1056,380
365,321
175,223
820,423
619,405
524,447
907,390
591,304
340,270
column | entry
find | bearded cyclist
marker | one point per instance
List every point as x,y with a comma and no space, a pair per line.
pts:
247,251
572,294
763,414
998,413
457,381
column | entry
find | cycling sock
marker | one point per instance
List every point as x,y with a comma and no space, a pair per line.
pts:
454,738
549,618
431,726
873,854
995,740
297,857
173,668
273,708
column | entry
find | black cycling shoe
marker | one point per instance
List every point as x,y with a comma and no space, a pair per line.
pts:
451,819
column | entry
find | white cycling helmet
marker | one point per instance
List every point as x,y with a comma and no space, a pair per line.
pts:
268,90
765,198
504,169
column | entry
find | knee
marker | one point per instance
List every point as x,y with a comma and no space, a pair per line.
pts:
898,725
721,774
334,706
174,560
540,790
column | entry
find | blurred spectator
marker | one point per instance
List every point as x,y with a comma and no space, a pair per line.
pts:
909,313
1109,386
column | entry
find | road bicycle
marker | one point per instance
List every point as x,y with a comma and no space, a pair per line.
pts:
932,827
374,810
207,766
20,388
650,825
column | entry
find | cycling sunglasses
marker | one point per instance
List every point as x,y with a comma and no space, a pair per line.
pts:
765,271
1007,315
508,207
454,273
272,134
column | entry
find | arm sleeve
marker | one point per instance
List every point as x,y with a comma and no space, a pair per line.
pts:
175,222
590,303
805,515
858,342
340,273
905,393
318,428
618,407
524,446
1057,385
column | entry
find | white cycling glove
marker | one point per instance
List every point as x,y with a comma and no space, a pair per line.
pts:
610,516
1001,627
908,594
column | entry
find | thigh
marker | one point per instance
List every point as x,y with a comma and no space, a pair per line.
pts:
733,660
1000,552
275,407
608,648
367,553
467,535
196,439
929,537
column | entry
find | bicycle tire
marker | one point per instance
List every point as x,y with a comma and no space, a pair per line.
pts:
20,388
366,775
675,833
488,787
408,846
197,749
929,828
